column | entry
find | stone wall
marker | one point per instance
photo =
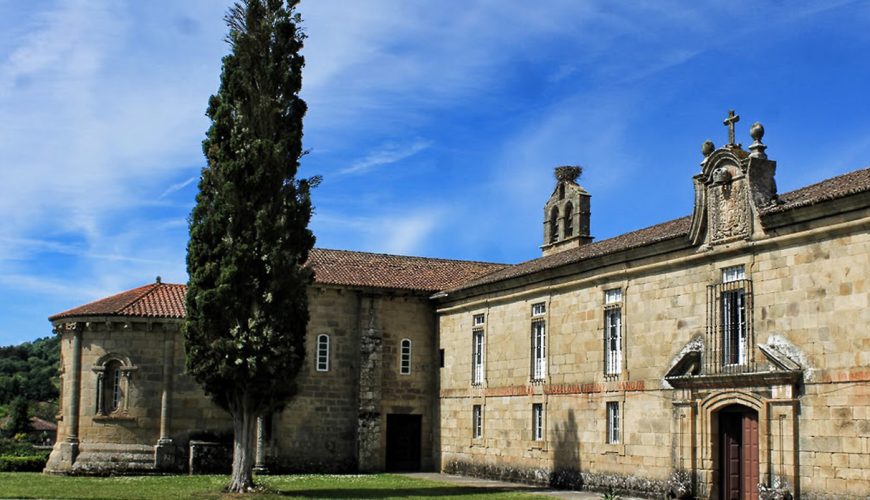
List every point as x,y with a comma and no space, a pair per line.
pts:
810,292
320,428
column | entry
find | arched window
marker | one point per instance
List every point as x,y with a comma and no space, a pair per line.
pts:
568,226
322,353
405,357
554,225
113,385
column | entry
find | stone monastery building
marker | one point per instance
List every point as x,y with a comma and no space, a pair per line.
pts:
725,354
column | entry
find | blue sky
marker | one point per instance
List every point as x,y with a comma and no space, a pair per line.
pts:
435,125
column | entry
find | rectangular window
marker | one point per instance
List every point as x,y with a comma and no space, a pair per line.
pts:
477,349
734,327
478,320
613,331
612,296
733,273
477,422
613,423
441,358
539,309
405,358
733,313
538,422
539,349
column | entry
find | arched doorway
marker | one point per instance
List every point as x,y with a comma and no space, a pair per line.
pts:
737,460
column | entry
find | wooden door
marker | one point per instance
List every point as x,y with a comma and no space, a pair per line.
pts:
749,460
730,443
738,454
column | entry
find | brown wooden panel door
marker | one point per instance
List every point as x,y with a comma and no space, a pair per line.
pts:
750,455
730,429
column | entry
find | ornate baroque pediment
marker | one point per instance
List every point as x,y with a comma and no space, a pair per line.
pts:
732,186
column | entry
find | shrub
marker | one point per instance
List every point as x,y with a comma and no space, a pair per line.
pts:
32,463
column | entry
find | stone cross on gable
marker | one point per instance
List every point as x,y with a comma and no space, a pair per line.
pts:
729,122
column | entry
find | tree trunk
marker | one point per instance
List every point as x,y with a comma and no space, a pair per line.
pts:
244,449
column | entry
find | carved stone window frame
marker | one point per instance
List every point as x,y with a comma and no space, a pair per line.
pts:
127,368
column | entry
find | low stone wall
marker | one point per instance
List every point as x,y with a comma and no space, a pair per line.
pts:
207,457
564,479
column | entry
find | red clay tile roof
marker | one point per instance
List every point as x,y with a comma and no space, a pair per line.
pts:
341,267
660,232
157,300
332,267
829,189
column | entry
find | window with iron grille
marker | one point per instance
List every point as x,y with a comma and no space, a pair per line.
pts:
613,422
538,422
477,356
322,353
405,358
729,317
477,422
539,342
613,331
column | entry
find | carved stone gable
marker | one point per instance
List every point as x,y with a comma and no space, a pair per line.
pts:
731,188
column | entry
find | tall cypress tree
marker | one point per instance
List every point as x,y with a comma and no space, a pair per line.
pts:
247,306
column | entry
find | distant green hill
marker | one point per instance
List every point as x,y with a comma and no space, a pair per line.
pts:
31,370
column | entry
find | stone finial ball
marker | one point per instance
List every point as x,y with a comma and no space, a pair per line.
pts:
707,148
568,173
756,131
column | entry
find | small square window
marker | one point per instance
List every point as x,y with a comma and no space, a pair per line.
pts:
613,296
539,309
733,273
478,320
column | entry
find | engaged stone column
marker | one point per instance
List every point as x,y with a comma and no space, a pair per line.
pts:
369,458
70,448
164,452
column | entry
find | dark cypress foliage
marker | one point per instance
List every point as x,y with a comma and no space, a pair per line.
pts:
247,306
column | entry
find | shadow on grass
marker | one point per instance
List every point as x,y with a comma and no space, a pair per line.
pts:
446,491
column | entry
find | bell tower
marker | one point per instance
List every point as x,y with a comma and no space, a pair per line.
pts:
566,213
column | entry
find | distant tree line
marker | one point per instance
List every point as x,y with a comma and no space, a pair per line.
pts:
30,371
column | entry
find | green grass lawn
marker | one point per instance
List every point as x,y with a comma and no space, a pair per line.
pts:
381,486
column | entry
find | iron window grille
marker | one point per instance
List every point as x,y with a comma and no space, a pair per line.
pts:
477,356
613,422
613,331
537,422
730,336
477,422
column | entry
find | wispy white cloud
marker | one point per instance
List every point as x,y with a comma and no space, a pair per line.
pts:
385,155
408,233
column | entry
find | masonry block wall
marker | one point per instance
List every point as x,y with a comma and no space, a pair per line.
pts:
809,291
320,429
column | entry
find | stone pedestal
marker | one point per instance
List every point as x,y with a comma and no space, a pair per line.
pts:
165,455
